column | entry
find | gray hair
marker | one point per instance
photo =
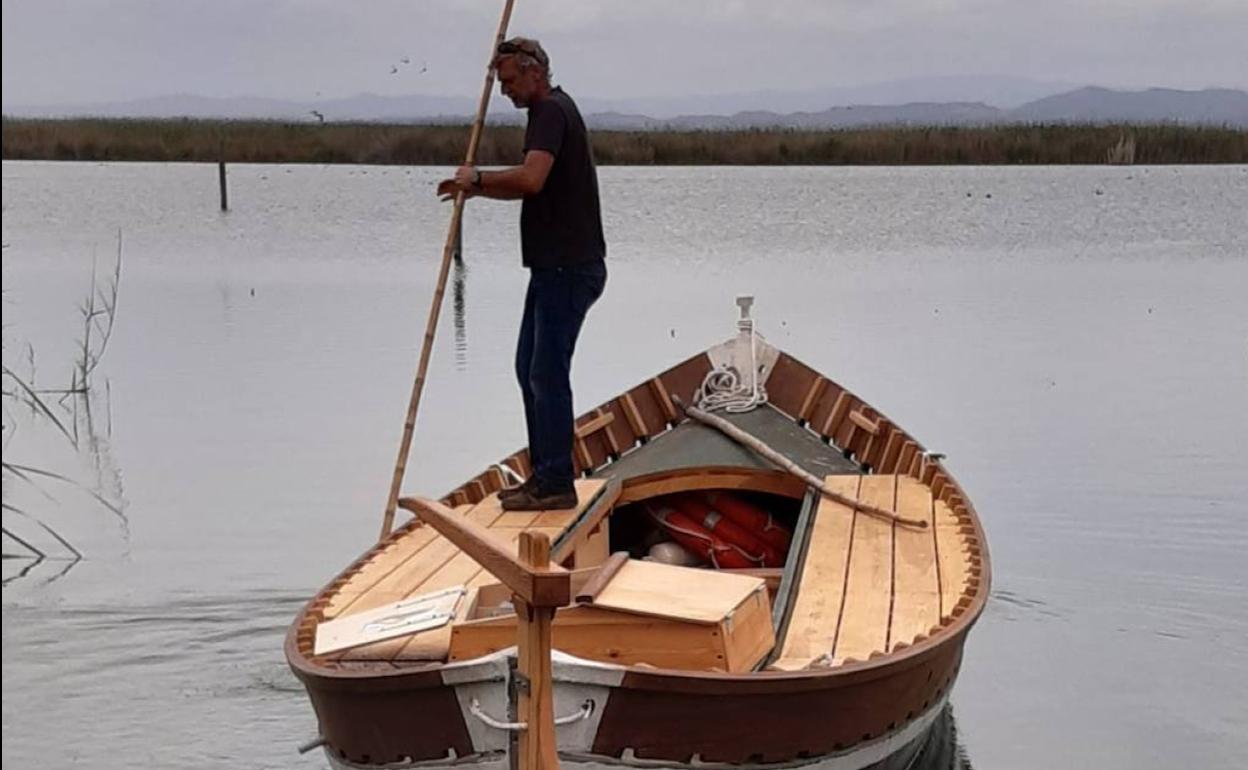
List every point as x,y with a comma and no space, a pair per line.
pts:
527,53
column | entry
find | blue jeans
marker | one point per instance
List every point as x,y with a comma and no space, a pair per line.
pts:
554,309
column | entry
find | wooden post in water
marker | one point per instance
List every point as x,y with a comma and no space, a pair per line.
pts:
225,204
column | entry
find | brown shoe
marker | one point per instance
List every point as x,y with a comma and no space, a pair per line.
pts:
523,486
538,500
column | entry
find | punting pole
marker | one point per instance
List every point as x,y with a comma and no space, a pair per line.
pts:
452,236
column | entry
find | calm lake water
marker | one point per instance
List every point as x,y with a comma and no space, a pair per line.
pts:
1074,339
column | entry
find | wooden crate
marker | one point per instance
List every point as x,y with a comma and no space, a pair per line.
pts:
653,614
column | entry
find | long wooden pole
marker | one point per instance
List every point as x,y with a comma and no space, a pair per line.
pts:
751,442
448,250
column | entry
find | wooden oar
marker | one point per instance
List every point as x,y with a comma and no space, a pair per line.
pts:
452,236
757,445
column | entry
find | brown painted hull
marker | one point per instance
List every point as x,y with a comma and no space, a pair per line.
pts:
751,722
744,720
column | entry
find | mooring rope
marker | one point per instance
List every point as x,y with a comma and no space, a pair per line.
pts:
724,388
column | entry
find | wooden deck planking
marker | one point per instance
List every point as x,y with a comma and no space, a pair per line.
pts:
381,565
820,588
460,569
411,573
440,564
409,577
916,584
433,644
952,561
863,628
377,568
400,581
520,519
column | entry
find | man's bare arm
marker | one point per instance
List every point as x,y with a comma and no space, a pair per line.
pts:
506,184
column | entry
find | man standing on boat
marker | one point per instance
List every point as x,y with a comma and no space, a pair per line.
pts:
561,243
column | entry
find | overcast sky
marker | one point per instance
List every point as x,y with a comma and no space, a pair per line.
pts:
79,51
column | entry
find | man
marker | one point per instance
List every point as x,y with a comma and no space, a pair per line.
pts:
562,245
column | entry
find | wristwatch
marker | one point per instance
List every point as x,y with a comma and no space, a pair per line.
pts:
477,182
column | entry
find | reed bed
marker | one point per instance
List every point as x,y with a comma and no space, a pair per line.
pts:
394,144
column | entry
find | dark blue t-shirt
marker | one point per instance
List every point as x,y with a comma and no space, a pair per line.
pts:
562,224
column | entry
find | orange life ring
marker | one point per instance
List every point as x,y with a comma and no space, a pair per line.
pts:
760,523
762,553
699,540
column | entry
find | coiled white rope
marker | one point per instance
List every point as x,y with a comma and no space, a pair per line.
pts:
724,388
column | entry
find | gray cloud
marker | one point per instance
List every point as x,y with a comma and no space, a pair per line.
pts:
57,51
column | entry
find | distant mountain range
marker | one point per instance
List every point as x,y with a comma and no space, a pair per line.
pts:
1083,105
1227,107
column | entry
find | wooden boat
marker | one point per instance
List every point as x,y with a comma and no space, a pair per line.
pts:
841,656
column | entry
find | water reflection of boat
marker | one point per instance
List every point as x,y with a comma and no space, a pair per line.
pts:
842,655
943,750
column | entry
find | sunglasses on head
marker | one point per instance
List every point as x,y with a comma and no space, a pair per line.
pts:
528,49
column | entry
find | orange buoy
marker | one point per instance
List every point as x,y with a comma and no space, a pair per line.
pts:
699,540
760,523
762,553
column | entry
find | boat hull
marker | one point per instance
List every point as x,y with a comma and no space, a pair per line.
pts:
855,716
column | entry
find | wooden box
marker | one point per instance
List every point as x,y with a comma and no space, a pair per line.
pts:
653,614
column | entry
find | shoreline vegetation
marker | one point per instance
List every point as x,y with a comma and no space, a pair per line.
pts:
81,413
183,140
